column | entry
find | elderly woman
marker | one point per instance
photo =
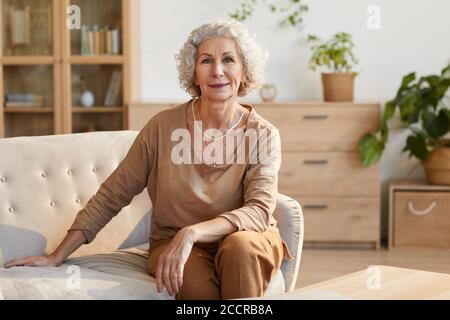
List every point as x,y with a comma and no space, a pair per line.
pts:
213,235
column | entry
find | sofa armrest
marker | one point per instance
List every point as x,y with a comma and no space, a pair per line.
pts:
288,213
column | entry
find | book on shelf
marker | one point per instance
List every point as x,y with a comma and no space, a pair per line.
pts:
96,31
90,43
109,41
23,97
84,40
100,40
115,41
12,104
23,100
112,95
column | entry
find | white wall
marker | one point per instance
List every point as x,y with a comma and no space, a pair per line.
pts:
414,36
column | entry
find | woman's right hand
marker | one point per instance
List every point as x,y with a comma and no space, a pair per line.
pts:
72,241
36,261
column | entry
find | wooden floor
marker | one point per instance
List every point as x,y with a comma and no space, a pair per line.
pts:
319,265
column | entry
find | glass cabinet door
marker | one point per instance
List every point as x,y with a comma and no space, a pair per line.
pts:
96,69
31,77
27,27
29,100
101,28
97,97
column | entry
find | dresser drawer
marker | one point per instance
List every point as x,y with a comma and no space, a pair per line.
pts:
320,128
421,219
327,173
345,219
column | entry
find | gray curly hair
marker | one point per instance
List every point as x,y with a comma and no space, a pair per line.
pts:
253,57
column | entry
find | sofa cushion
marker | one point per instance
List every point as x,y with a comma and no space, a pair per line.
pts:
118,275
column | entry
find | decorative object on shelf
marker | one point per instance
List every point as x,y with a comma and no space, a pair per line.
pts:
291,10
20,25
336,57
268,92
87,97
424,109
30,29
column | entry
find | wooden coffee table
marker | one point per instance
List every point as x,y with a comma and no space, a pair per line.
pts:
381,282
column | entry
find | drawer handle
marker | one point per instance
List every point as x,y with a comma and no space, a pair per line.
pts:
315,206
315,116
420,212
315,161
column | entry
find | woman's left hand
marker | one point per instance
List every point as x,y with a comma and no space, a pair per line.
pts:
169,271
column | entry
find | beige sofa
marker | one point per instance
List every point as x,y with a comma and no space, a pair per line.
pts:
45,181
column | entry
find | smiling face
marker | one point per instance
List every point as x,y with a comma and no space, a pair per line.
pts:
218,69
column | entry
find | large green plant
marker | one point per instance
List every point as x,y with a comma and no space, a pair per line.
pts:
290,10
334,55
424,110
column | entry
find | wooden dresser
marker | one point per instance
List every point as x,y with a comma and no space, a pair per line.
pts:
320,168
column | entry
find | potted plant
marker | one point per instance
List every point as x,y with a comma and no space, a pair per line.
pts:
424,110
291,11
336,57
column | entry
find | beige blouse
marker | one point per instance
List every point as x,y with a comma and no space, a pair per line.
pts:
188,193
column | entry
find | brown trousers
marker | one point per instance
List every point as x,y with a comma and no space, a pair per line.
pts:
241,266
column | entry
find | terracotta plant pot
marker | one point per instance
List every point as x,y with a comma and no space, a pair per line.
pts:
437,166
338,87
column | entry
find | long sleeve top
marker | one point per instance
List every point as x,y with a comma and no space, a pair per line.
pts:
187,193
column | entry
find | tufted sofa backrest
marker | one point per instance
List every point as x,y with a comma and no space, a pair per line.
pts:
46,180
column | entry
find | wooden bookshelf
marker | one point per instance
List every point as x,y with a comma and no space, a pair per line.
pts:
47,62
